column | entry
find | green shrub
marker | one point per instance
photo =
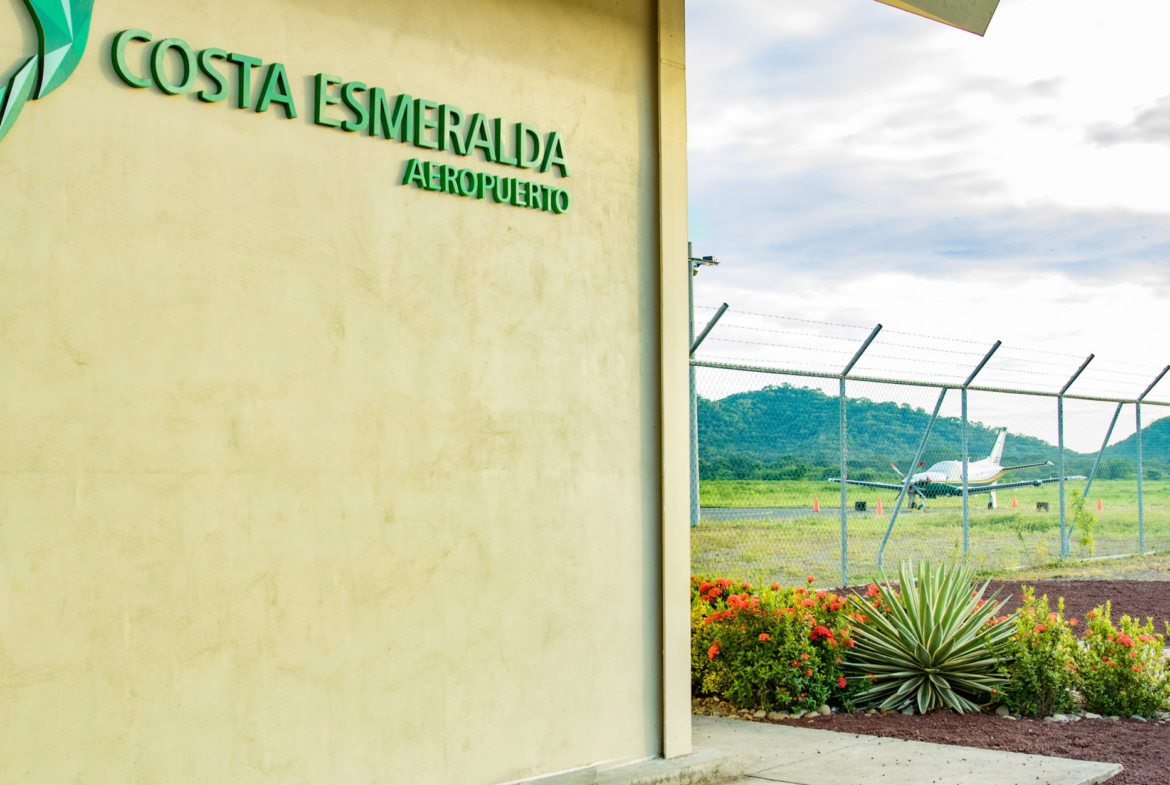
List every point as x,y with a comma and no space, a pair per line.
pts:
1124,672
939,644
769,649
1041,669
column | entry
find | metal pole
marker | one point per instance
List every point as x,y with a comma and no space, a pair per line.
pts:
1060,438
966,460
1093,473
1141,510
1141,504
696,342
909,477
845,460
694,395
966,455
1060,442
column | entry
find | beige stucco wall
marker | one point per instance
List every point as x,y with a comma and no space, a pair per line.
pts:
310,477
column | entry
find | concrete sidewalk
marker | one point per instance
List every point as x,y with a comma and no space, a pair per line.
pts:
779,754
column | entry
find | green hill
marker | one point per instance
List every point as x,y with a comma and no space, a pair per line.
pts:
788,432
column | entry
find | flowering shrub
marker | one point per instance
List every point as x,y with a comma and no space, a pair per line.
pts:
771,648
1040,659
1122,672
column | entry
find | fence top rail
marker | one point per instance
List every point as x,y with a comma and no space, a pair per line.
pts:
912,383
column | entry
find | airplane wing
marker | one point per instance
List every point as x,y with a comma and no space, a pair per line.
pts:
865,484
1026,466
971,490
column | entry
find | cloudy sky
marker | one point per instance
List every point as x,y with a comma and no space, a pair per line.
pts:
854,164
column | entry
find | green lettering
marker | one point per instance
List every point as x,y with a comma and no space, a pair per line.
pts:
361,118
450,128
324,100
464,188
499,192
486,182
209,70
501,157
478,136
422,124
525,134
561,205
158,61
433,172
244,75
554,155
276,90
545,197
534,191
118,56
414,174
399,124
519,199
450,177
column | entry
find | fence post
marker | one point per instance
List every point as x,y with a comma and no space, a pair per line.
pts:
1060,440
1141,509
966,456
845,459
693,265
1138,416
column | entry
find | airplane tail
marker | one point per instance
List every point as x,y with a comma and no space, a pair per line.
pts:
996,456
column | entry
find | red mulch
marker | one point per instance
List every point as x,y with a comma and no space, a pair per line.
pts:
1142,748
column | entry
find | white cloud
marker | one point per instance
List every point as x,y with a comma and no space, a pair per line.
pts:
854,163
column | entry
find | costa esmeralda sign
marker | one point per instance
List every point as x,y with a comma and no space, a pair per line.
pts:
349,106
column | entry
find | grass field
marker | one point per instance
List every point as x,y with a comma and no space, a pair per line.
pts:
799,543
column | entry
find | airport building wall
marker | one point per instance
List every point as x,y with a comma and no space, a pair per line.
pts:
321,461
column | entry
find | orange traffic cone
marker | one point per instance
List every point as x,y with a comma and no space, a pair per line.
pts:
1100,505
879,510
1014,501
816,505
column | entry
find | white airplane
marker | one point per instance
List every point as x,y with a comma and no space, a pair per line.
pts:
946,478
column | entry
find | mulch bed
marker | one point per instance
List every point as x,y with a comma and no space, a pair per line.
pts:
1142,748
1139,599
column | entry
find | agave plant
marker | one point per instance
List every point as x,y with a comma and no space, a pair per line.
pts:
938,645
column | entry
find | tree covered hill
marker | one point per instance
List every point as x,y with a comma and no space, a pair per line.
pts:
789,432
1155,440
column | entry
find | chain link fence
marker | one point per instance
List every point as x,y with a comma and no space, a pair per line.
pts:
773,445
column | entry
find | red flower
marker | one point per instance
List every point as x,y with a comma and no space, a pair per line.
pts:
1137,668
1146,638
747,586
711,652
716,592
822,594
811,579
1125,641
1052,617
775,587
980,603
1072,622
834,606
821,632
765,636
808,672
802,592
703,587
1092,614
873,590
841,682
808,603
849,643
1038,628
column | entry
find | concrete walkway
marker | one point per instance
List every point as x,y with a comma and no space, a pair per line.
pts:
783,755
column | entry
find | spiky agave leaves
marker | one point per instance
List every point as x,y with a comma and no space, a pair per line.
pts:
935,647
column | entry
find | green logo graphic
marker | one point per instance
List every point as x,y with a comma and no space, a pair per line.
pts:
63,27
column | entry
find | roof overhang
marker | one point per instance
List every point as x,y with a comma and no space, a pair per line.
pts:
971,15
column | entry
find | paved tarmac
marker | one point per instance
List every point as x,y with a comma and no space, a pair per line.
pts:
785,755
